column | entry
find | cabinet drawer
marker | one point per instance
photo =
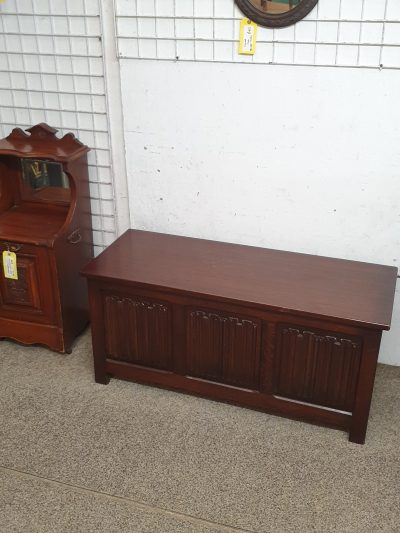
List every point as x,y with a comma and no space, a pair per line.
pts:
30,297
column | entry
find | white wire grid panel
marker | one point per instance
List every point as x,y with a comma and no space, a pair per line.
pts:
51,70
337,33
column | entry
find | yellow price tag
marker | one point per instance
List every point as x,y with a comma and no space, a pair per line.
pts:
248,37
10,265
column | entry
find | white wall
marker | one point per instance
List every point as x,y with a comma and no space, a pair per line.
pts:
295,158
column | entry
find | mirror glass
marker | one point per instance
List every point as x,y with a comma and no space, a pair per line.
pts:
274,7
44,180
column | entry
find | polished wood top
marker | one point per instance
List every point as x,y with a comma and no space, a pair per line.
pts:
346,291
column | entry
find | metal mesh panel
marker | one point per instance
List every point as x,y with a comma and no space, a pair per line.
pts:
337,33
51,70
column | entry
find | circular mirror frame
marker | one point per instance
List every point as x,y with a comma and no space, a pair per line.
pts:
276,21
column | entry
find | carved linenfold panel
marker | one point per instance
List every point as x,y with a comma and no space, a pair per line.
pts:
25,290
317,367
223,348
142,304
222,318
138,331
205,345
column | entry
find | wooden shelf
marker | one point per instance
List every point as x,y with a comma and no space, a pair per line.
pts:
27,224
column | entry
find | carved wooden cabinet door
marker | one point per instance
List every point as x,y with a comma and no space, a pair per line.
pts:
27,298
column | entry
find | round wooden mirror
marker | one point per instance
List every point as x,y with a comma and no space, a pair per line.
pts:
276,13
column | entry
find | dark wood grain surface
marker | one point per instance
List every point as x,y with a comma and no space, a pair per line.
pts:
26,223
50,232
22,144
347,291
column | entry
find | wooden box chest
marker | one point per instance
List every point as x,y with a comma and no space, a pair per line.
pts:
290,334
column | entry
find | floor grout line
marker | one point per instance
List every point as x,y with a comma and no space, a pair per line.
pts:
140,505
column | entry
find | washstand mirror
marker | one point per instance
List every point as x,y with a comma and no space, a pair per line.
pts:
44,180
276,13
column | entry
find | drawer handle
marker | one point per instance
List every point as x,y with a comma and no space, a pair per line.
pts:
75,237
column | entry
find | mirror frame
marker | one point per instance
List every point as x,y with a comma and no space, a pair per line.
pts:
276,21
